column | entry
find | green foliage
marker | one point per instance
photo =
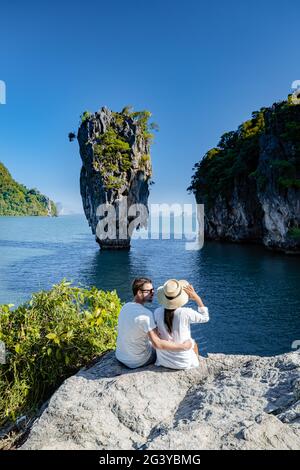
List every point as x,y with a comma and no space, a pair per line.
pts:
261,179
127,110
113,156
286,173
289,182
141,118
85,116
227,141
48,339
144,161
113,182
283,165
16,199
112,142
113,151
290,99
154,126
148,136
235,157
124,161
294,233
290,130
53,208
237,154
119,119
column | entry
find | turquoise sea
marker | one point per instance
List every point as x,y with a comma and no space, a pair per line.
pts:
252,294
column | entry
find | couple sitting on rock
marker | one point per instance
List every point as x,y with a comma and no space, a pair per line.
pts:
163,338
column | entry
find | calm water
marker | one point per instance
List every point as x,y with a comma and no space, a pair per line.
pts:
253,295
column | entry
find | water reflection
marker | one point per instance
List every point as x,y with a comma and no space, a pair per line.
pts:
109,270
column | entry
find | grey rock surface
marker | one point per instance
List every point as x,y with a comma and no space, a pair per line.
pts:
229,402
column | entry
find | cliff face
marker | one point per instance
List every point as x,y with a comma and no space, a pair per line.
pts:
250,183
229,402
16,199
116,169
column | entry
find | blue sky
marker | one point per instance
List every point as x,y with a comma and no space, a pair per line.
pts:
201,68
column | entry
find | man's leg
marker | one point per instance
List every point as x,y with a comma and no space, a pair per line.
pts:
196,348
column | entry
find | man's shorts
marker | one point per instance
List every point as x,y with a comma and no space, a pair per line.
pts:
152,358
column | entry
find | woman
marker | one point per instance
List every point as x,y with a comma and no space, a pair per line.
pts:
173,322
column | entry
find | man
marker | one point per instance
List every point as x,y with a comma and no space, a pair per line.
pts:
137,333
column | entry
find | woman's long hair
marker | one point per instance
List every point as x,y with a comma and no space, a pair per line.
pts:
168,319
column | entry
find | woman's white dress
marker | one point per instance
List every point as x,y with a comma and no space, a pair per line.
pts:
181,331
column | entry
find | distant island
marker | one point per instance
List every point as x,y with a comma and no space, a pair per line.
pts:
250,182
16,199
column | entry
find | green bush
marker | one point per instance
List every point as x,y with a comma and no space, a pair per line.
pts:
113,154
289,182
283,165
261,179
48,339
294,233
85,116
144,161
141,118
113,182
235,157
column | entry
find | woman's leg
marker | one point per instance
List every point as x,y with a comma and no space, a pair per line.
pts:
196,349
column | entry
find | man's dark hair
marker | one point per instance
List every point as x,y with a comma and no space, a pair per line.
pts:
138,283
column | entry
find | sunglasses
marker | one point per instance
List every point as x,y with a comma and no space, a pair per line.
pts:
147,290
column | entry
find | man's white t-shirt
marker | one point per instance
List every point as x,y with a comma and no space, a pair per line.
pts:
134,348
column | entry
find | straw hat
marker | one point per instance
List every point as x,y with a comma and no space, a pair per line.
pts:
171,295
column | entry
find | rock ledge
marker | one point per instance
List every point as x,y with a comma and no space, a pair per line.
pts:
229,402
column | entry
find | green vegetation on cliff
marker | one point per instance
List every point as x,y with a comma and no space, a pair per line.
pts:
113,156
236,156
141,119
113,149
16,199
48,339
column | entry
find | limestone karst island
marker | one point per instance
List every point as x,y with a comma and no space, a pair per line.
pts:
250,181
116,164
